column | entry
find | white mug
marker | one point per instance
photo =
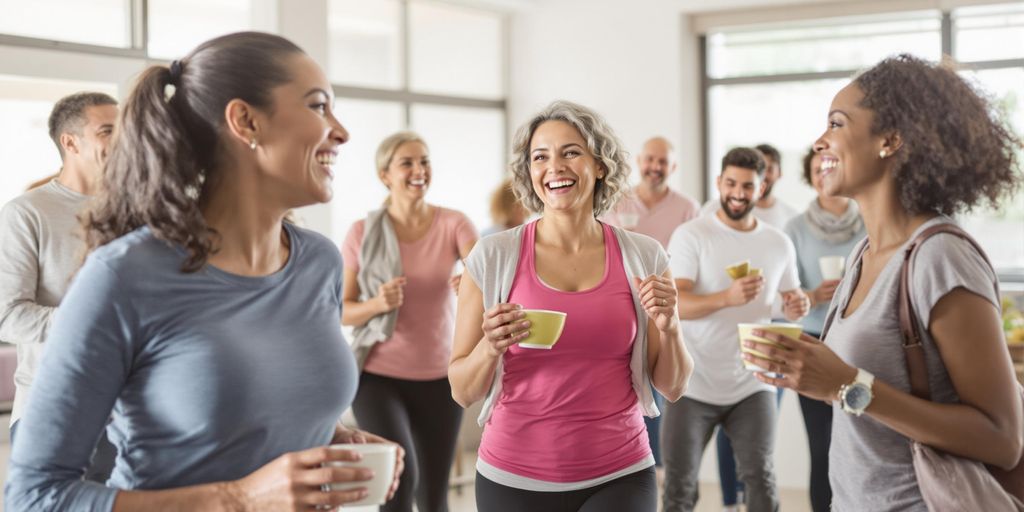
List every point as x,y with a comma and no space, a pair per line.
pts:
831,267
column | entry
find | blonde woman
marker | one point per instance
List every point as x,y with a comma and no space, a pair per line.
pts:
398,263
564,427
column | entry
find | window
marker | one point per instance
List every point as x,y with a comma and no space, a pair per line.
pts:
97,22
434,68
455,51
467,156
761,78
750,114
28,154
178,26
357,189
366,43
837,44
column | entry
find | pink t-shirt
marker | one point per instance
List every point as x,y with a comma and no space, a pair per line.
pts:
421,344
657,222
570,414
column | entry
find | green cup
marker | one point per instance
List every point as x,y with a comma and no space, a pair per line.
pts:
791,330
545,328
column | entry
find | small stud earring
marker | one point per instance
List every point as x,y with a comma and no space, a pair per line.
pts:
252,144
882,154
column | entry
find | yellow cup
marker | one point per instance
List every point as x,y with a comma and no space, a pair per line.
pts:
545,328
753,272
738,270
791,330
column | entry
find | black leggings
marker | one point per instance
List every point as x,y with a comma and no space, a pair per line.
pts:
422,417
635,492
818,422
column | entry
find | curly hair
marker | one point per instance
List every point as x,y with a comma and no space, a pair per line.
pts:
167,145
957,152
601,141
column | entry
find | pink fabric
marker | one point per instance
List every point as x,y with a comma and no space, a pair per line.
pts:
570,413
421,345
659,221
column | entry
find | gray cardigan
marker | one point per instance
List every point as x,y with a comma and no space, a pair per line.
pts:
492,265
379,262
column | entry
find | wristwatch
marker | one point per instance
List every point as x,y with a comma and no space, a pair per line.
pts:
856,396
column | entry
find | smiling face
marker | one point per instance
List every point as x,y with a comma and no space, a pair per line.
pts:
817,182
849,151
563,170
408,173
656,162
739,189
86,149
772,173
298,144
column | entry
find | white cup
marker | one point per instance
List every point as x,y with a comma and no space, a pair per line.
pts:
832,267
628,220
377,457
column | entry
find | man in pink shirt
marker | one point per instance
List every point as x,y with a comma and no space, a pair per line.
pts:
655,210
652,208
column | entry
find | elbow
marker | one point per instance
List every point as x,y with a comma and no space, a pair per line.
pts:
1011,456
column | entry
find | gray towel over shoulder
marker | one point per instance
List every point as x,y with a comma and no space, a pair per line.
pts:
379,262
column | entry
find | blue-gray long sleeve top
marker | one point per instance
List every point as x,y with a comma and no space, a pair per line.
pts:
207,376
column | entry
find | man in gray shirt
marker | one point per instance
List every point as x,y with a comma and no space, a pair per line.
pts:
42,246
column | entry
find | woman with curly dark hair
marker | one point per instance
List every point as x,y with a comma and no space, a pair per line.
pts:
913,143
202,322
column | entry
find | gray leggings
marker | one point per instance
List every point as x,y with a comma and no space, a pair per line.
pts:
422,417
635,492
685,431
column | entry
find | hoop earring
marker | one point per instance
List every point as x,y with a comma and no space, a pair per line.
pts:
252,144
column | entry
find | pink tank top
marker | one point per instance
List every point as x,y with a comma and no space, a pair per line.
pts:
570,413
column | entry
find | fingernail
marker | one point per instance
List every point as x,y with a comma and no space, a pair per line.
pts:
524,324
757,332
748,344
748,357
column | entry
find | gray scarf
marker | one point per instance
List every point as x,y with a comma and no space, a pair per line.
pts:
831,228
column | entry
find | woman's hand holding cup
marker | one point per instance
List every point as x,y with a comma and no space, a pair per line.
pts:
300,481
504,325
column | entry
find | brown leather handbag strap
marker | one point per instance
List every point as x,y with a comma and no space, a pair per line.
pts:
912,347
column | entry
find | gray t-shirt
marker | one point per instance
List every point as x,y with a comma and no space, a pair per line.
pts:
209,375
870,465
40,248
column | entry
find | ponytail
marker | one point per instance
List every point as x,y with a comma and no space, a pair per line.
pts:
165,151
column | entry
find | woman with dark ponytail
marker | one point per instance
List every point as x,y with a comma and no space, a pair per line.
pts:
202,323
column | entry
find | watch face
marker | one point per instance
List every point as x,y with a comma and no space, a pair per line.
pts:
858,396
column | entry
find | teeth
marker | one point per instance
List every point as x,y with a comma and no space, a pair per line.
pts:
326,159
829,164
417,183
561,184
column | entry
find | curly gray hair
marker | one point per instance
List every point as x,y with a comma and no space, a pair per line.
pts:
601,141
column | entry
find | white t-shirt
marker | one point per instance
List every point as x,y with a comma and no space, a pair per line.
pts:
777,216
699,251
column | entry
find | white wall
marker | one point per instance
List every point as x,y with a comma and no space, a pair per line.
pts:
628,64
637,64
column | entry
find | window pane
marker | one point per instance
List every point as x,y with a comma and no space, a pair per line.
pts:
747,115
823,45
365,46
27,153
357,190
1001,233
989,32
176,27
467,154
455,51
99,22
